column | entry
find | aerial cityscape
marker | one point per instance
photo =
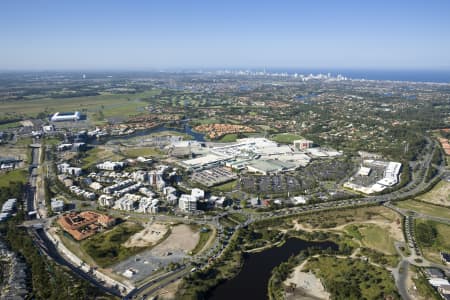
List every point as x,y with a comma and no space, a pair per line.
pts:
198,150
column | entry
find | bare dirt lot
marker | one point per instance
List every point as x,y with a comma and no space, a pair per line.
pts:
182,238
149,236
306,286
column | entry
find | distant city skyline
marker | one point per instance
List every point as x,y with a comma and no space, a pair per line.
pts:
158,35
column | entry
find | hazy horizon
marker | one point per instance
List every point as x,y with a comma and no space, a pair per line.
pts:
154,35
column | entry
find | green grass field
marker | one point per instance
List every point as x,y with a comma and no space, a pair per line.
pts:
111,105
238,217
19,175
285,138
330,219
440,194
141,151
353,278
75,247
52,141
226,187
204,237
425,208
373,236
441,242
10,125
377,238
97,155
24,142
107,248
228,138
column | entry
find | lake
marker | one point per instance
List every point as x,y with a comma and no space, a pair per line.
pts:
252,281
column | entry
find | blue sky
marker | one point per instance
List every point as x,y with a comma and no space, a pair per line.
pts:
101,34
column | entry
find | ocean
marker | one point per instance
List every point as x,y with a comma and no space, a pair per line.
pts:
440,76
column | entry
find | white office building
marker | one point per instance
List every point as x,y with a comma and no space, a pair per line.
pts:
187,203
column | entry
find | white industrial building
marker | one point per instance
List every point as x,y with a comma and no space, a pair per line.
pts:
66,116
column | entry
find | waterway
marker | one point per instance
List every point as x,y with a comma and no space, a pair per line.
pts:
252,281
183,128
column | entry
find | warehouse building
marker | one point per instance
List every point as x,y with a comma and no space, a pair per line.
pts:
66,116
270,166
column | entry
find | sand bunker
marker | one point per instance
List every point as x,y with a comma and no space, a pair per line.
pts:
305,286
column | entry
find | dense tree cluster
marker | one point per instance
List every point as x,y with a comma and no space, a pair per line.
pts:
426,233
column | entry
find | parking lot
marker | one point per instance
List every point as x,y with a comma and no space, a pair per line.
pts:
213,176
376,174
276,184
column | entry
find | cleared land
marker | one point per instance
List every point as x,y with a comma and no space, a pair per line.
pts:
182,238
425,208
440,194
149,236
306,286
352,278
